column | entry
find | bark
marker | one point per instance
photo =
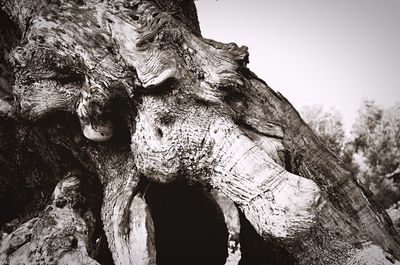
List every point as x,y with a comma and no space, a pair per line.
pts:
58,236
129,95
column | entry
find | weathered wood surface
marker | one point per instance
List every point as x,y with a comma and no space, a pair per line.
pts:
190,109
58,236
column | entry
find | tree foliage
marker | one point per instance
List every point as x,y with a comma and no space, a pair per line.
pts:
376,140
327,124
372,150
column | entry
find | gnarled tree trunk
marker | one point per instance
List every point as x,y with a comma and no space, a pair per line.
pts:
155,123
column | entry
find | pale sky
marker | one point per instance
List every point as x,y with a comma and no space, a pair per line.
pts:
329,52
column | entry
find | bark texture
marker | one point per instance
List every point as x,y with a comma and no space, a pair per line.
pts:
59,236
129,95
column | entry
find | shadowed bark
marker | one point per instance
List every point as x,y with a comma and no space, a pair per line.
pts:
129,95
59,235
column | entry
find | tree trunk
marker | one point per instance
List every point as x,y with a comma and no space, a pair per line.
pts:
153,121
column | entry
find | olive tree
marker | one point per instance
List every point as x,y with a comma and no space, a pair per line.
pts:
117,114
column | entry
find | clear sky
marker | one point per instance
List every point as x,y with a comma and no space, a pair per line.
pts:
328,52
